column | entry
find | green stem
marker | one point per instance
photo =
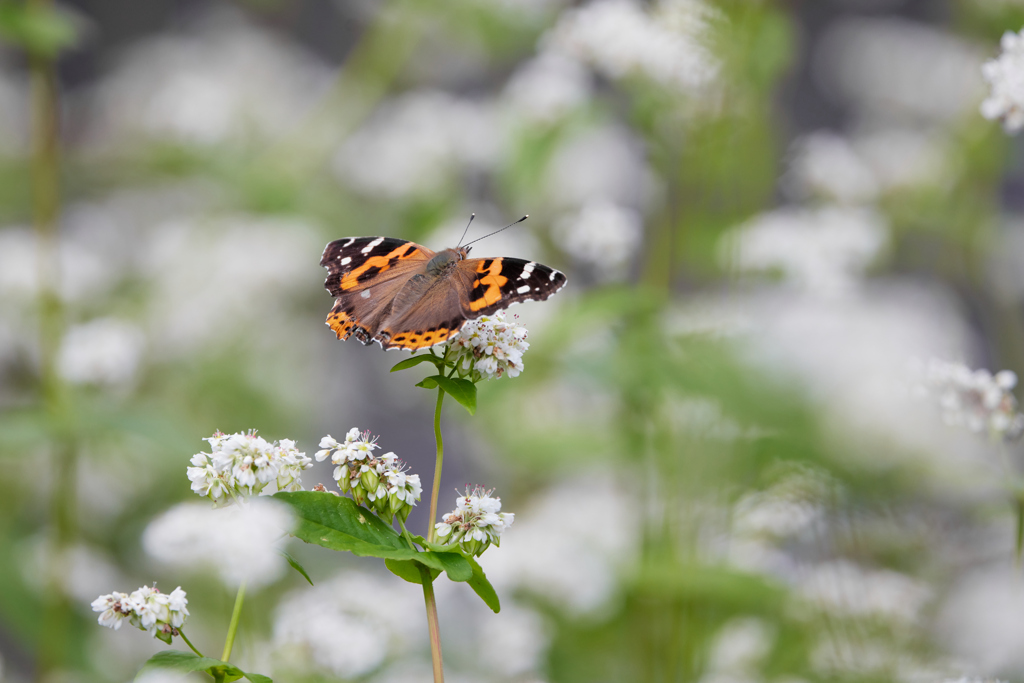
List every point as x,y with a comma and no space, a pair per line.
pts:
408,536
189,643
434,625
437,465
236,614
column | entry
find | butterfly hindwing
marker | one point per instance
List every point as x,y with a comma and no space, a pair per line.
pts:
497,283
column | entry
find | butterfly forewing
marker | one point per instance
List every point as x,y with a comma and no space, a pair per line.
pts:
354,263
498,283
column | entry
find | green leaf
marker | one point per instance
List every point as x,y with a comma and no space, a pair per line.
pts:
416,360
409,570
462,390
297,567
40,30
428,382
186,662
482,587
338,523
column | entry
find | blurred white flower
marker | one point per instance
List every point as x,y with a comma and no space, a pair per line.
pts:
546,88
904,157
166,676
825,164
982,620
380,480
898,69
413,143
622,38
204,268
475,523
974,399
101,351
148,609
1005,76
349,625
241,542
515,643
574,571
82,570
601,164
489,347
788,507
245,464
602,235
739,649
225,80
822,251
82,272
846,589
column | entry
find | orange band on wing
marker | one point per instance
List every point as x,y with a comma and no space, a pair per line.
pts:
493,280
340,321
377,264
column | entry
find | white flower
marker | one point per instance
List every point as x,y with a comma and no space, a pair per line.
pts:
114,607
844,588
241,543
489,347
603,235
414,142
476,521
147,609
1005,75
548,87
102,351
244,464
973,399
381,480
823,251
348,625
621,38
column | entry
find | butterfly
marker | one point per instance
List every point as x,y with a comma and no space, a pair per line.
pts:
404,296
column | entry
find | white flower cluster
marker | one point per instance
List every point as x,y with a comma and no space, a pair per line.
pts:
476,521
489,347
1006,77
381,480
241,543
974,399
622,38
245,464
159,614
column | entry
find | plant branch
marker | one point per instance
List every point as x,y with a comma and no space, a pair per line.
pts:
437,465
189,643
434,625
236,614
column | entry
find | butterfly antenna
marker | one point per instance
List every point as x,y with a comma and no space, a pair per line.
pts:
471,217
497,231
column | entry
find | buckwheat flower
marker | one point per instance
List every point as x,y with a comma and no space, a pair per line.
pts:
240,543
114,607
378,481
489,347
102,351
603,235
1005,75
976,400
159,614
244,464
475,523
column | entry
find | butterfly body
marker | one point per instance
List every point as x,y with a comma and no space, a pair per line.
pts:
405,296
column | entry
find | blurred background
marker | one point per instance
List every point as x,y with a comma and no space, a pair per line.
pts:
730,455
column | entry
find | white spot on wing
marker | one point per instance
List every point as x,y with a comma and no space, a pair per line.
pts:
345,261
350,241
523,290
372,245
527,269
554,274
365,294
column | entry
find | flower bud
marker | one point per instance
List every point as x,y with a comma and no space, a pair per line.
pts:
369,479
344,478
